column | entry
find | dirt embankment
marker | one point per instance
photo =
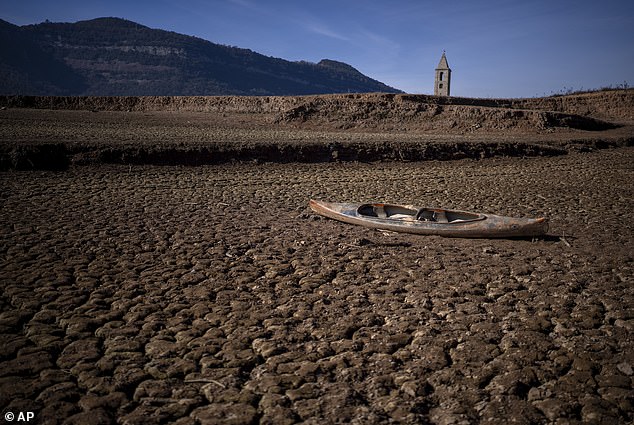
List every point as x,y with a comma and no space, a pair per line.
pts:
415,113
376,127
612,105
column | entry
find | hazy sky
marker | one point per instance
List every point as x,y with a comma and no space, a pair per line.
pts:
495,48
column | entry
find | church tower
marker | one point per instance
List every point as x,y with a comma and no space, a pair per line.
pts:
443,77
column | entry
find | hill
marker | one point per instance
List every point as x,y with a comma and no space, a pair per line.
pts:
113,57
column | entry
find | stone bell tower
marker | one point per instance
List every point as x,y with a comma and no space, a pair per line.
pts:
443,77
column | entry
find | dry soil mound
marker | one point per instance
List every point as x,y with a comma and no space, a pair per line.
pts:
52,132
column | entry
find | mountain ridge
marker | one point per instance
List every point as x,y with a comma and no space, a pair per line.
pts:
114,57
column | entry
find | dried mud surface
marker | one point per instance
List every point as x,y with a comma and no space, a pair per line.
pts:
211,294
57,132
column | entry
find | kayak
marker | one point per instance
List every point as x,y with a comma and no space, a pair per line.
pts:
431,221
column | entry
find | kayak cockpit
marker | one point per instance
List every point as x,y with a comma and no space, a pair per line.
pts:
397,212
394,212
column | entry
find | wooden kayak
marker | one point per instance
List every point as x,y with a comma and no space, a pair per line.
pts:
431,221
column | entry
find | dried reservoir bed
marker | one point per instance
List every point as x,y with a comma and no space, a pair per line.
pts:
211,294
137,293
53,133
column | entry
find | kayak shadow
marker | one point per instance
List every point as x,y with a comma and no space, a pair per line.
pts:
546,238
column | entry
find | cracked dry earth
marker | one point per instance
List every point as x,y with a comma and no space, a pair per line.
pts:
213,295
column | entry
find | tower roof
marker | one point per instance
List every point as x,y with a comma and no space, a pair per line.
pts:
443,62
